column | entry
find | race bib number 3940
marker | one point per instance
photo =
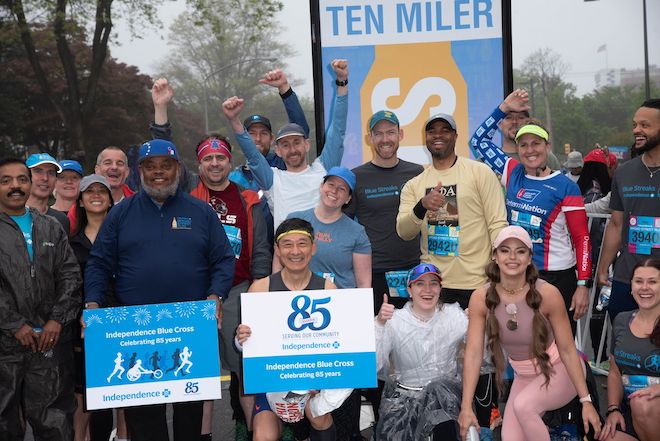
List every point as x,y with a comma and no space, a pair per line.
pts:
643,234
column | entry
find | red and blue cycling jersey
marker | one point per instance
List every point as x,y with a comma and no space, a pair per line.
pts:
550,208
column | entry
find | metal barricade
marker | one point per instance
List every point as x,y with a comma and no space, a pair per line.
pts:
583,330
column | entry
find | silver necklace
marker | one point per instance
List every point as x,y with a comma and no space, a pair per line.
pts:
648,169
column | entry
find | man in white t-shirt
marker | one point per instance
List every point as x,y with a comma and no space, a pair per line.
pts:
297,187
573,164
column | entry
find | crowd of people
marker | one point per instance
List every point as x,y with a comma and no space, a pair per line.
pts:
477,266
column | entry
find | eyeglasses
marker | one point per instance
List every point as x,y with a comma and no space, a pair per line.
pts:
512,310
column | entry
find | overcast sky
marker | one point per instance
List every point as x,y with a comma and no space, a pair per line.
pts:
573,28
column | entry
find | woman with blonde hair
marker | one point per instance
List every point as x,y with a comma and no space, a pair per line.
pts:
525,317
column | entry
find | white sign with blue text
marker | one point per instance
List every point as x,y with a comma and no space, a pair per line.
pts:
303,340
148,354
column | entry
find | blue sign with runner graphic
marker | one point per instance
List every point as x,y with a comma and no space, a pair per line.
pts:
161,353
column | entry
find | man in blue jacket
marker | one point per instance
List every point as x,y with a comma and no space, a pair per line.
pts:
162,245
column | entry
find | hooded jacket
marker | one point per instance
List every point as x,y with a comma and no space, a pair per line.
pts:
48,288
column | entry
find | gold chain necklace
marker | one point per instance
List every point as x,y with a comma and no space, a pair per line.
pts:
512,292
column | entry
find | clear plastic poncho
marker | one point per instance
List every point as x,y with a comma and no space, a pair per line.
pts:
412,353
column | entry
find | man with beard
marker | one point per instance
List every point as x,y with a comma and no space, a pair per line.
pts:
162,246
375,203
509,127
296,188
458,207
43,170
39,301
635,203
239,210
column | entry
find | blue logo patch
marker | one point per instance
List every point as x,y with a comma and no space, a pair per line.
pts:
181,223
527,195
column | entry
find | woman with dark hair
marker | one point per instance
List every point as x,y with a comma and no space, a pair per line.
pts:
92,206
526,317
594,181
633,382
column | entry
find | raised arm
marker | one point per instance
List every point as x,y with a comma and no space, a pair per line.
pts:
161,96
261,170
333,149
481,142
277,78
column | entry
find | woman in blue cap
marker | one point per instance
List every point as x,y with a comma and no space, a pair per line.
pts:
343,250
420,345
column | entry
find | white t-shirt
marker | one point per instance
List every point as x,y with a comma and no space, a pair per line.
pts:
294,191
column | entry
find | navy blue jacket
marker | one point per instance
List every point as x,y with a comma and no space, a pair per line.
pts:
178,252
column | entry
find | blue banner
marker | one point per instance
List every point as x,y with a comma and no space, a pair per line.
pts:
136,355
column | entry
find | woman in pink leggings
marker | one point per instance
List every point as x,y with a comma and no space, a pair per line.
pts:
525,317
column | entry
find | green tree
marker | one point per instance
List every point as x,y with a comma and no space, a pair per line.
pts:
28,119
224,53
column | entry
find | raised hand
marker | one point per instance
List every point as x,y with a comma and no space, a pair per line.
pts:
386,311
340,67
516,101
276,78
161,92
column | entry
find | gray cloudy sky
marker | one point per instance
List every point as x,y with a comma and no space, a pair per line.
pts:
573,28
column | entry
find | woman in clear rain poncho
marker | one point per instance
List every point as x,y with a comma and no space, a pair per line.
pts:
417,349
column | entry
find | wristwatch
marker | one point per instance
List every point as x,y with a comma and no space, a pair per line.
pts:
586,399
341,83
88,304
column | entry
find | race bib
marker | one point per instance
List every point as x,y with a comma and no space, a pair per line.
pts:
396,282
632,383
234,236
328,276
531,224
643,234
443,239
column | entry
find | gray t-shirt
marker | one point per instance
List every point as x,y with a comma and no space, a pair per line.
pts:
637,195
335,245
375,205
633,355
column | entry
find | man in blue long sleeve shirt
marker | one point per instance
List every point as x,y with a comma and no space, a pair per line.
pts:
161,245
297,187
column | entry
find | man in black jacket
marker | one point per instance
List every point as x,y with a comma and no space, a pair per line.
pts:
39,300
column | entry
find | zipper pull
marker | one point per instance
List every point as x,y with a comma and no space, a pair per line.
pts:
32,271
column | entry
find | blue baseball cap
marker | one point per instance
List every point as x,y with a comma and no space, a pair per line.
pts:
257,119
343,173
42,158
68,164
383,115
420,270
157,147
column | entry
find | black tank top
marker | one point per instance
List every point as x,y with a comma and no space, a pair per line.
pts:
275,283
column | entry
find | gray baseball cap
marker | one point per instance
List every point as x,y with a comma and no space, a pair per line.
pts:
443,117
92,179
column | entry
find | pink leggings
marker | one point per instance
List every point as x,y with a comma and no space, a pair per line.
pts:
530,399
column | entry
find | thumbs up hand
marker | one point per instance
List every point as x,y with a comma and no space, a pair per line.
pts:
434,200
386,311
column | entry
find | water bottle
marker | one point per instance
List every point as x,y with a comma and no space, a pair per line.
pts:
473,434
47,353
604,297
